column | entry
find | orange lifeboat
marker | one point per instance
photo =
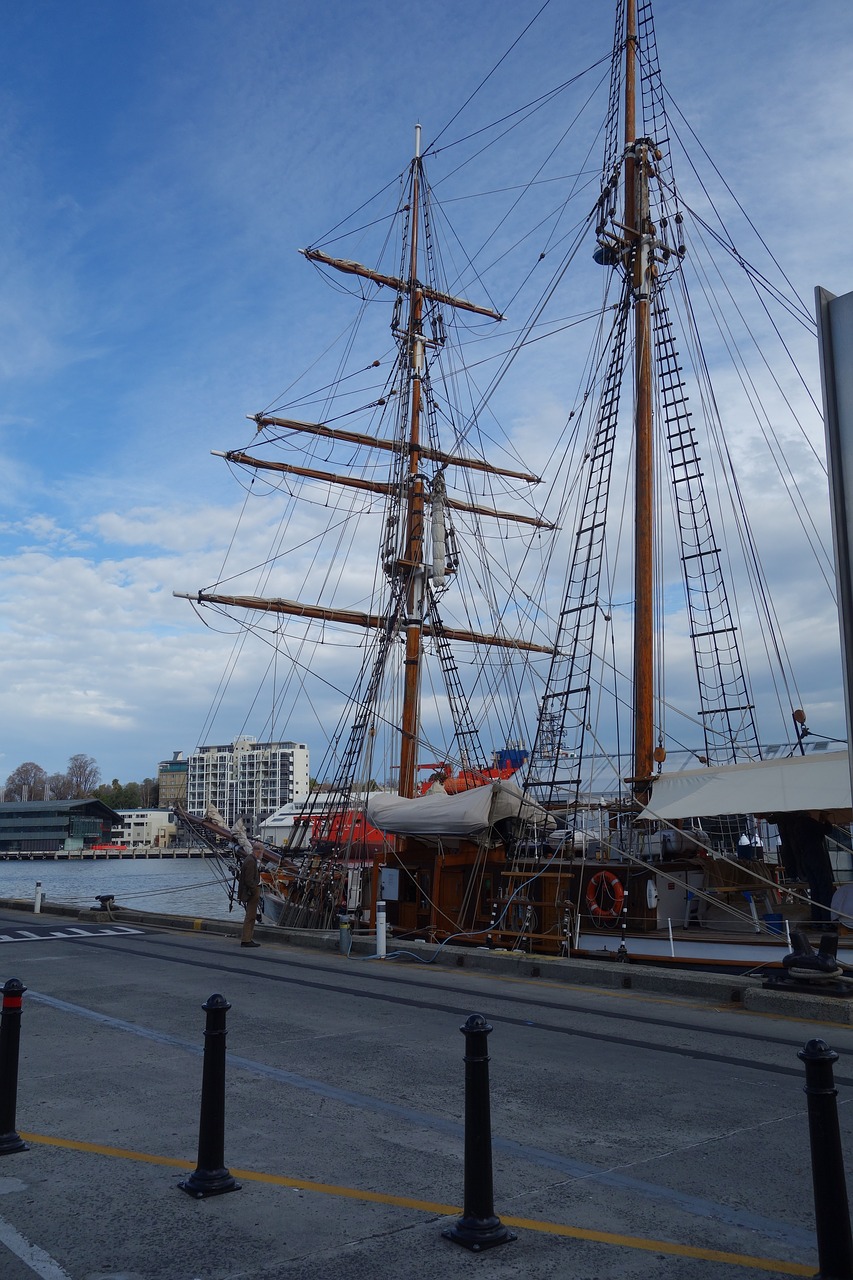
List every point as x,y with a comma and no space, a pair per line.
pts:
464,779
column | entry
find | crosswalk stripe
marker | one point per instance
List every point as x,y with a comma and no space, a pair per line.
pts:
70,934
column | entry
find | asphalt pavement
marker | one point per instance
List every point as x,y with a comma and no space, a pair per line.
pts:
643,1125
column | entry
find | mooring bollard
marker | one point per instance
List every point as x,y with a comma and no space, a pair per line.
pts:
10,1040
381,931
832,1215
344,933
211,1178
478,1228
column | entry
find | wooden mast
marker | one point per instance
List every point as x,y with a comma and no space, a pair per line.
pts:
407,566
639,230
410,564
413,563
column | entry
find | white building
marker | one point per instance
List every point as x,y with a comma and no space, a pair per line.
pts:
247,778
145,828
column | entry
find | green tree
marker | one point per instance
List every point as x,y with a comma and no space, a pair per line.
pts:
129,795
150,792
109,793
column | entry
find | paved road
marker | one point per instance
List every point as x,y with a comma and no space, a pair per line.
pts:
634,1135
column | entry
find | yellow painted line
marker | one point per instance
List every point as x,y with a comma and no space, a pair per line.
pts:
94,1149
775,1265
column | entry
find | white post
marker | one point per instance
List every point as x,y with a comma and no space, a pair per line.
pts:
788,933
380,930
671,943
37,899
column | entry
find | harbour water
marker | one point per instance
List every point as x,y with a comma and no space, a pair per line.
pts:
184,886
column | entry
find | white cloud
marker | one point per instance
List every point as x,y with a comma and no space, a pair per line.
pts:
152,296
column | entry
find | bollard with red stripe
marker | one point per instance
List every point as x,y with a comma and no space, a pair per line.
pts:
10,1039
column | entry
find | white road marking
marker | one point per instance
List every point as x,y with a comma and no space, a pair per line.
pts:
11,1184
71,934
41,1263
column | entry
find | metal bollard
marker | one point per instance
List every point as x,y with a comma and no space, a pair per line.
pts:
37,899
381,931
344,933
832,1215
211,1178
10,1039
478,1228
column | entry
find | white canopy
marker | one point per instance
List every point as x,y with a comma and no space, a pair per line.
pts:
812,783
439,814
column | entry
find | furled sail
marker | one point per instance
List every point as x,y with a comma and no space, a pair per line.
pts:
468,813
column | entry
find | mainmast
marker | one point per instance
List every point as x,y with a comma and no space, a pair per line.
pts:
642,242
639,230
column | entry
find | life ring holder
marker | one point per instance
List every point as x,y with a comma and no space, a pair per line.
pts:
605,895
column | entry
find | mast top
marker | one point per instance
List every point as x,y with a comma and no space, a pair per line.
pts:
417,142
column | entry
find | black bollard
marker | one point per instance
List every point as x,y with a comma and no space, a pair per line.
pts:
478,1228
10,1040
832,1216
211,1178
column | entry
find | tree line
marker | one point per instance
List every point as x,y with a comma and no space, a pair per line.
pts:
80,780
129,795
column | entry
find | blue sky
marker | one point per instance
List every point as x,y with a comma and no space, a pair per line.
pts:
162,163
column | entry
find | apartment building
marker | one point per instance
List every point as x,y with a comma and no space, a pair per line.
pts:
172,777
145,828
247,778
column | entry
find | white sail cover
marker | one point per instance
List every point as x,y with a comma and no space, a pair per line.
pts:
812,783
466,814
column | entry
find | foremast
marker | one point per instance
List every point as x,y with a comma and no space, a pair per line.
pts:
406,565
411,493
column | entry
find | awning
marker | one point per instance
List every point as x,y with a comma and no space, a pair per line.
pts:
465,814
811,783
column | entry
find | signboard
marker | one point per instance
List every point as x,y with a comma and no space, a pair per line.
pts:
835,338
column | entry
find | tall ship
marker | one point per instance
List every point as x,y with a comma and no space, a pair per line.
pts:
469,549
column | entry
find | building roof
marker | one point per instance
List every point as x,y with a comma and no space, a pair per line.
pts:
55,806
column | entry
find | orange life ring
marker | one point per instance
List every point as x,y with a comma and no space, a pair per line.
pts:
606,904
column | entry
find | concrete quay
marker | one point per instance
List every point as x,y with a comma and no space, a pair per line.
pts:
649,1130
611,974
